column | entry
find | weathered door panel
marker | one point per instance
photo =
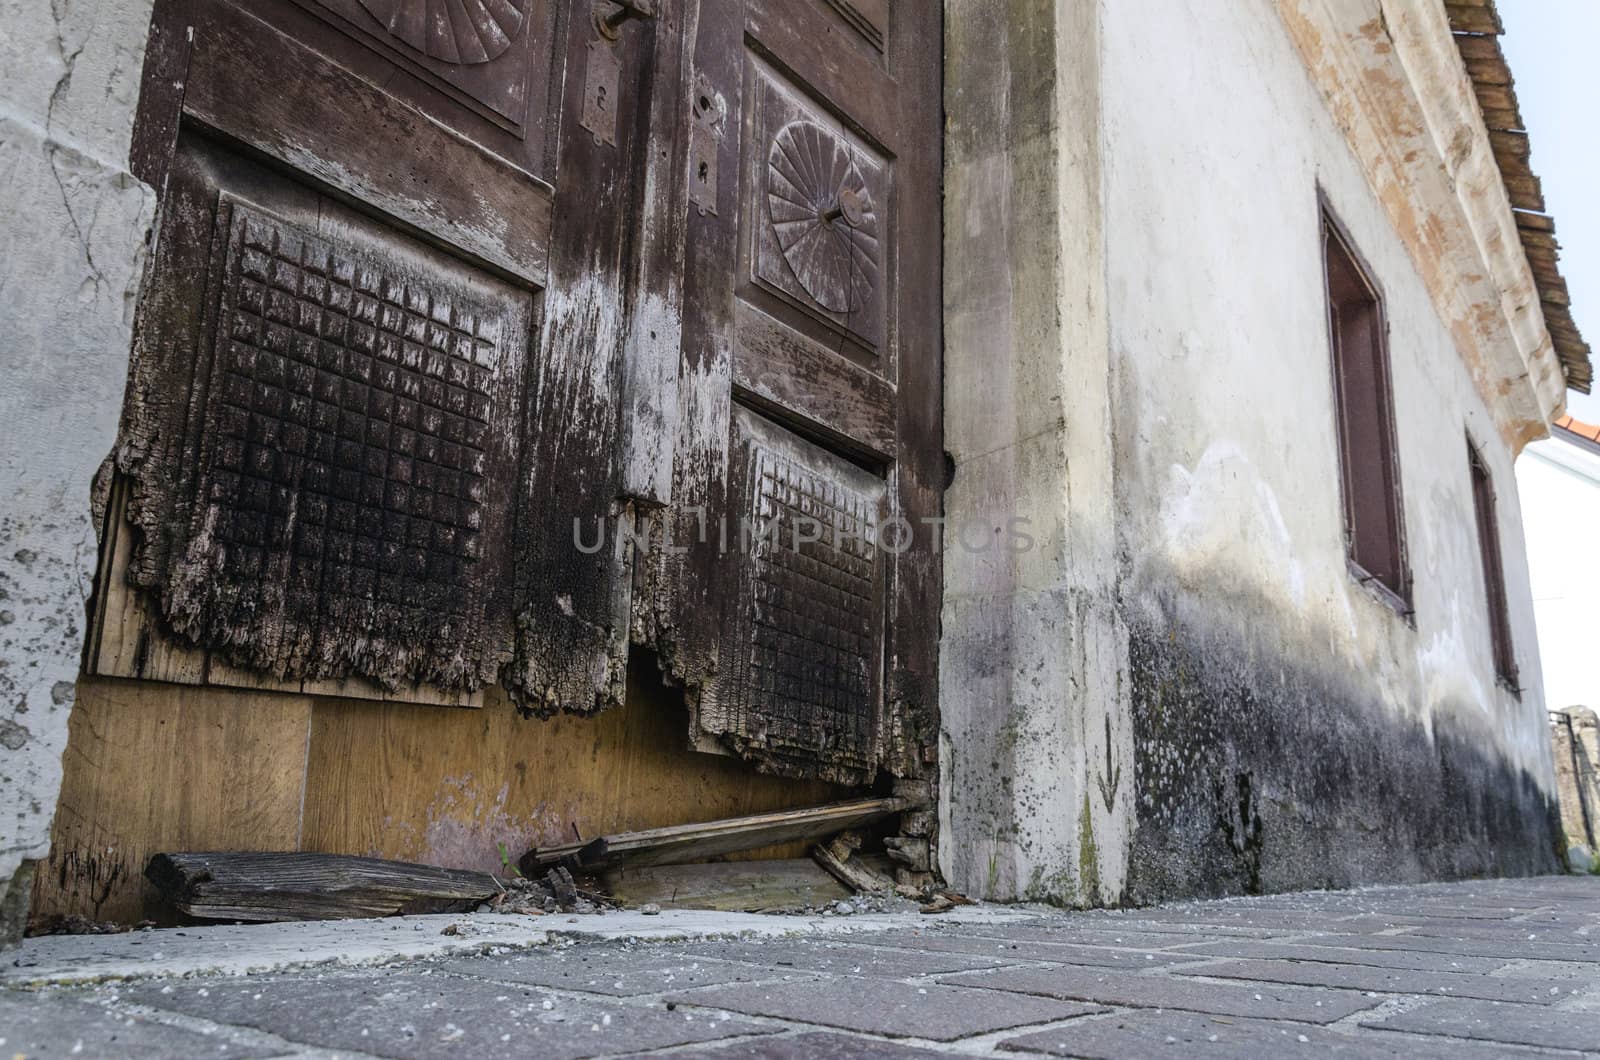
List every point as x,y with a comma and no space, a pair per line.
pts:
810,391
320,98
383,347
608,362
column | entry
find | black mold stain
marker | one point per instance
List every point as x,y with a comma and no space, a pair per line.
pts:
1240,825
1258,769
88,877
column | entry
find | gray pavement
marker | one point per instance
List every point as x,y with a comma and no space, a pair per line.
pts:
1482,969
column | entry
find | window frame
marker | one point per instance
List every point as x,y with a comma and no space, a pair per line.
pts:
1491,555
1399,595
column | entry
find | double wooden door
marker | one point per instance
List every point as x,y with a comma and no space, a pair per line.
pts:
480,333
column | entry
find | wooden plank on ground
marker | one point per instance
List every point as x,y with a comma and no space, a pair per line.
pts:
733,886
257,886
678,844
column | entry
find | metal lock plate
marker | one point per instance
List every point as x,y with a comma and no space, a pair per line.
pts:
705,136
601,76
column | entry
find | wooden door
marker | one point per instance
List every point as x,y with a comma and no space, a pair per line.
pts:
395,344
810,391
442,292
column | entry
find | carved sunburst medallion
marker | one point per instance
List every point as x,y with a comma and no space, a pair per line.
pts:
823,215
453,31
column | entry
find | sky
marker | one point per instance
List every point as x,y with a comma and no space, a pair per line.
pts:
1548,45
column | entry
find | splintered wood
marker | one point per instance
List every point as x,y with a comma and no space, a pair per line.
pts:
679,844
837,857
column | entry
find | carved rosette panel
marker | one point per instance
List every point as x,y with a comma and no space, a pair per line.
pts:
824,217
807,640
487,54
452,31
822,213
354,461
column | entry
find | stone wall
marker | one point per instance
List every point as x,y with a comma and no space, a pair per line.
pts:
76,225
1575,742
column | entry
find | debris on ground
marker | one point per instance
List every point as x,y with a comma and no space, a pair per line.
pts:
837,856
78,924
557,892
944,901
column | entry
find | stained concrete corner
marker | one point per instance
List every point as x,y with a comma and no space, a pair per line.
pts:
74,244
1036,748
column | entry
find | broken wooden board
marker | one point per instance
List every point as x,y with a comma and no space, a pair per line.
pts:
852,870
307,886
678,844
730,886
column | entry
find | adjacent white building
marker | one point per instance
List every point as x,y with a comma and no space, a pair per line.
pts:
1559,482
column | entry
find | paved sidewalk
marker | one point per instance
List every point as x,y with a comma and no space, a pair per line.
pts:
1485,969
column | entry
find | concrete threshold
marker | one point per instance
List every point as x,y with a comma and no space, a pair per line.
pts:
256,949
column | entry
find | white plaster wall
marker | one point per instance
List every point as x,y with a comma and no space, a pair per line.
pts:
73,235
1215,142
1559,480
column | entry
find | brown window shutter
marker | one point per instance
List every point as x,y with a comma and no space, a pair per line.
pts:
1494,578
1364,408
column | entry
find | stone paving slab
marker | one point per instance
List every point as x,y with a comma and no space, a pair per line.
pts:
1587,974
1064,934
1006,952
1162,991
1490,1021
899,1010
1531,949
1089,927
40,1027
1362,981
818,1045
1180,1035
1517,931
1528,991
610,970
845,958
1257,923
425,1015
1299,951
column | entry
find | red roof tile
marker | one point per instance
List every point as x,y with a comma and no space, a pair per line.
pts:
1578,427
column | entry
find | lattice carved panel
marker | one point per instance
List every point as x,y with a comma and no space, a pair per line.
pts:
807,643
342,506
819,224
